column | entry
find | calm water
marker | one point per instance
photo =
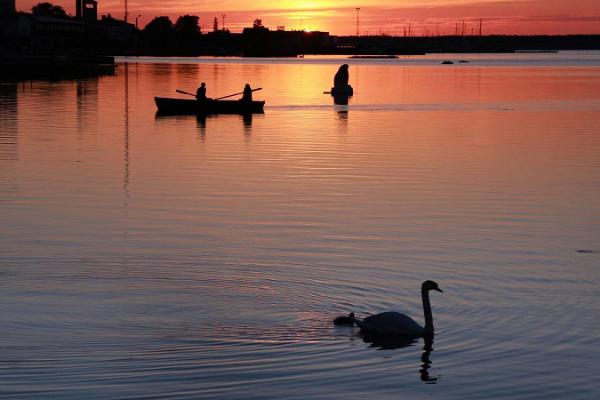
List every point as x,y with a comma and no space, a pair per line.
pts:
170,257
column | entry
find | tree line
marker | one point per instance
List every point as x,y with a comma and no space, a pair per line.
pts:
162,35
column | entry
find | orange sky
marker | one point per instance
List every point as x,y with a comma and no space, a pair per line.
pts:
385,16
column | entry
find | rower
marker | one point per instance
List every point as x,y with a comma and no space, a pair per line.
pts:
201,92
247,96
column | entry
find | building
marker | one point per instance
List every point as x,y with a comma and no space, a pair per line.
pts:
37,34
259,41
7,7
86,10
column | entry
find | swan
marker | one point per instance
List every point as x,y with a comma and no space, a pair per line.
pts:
395,323
344,320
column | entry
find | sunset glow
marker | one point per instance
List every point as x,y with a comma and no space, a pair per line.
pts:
376,16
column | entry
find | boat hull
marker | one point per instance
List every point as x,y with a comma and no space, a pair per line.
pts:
188,106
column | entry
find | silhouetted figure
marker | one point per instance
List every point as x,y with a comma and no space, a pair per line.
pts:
201,92
247,96
395,323
341,77
341,90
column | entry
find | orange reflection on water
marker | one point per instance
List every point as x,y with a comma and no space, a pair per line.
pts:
414,141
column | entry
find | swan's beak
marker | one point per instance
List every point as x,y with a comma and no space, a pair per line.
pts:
439,290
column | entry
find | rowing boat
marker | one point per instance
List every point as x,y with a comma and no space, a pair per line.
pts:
187,106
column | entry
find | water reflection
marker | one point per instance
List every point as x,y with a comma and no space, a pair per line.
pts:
342,113
426,362
9,139
388,342
8,122
201,124
395,342
202,121
247,118
126,140
232,234
87,103
187,71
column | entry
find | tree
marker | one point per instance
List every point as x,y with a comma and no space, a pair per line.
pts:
49,10
158,35
188,35
257,23
159,26
159,23
187,24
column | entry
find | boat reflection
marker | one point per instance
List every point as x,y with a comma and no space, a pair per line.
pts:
247,118
201,124
202,119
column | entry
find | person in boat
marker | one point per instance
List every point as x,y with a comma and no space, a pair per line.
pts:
247,96
201,92
340,81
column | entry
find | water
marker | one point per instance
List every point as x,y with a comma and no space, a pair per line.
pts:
171,257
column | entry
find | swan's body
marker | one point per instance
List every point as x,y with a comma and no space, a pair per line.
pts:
395,323
391,323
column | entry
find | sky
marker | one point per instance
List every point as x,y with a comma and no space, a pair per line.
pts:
375,16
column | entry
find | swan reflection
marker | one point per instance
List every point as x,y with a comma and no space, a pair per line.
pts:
388,342
426,362
394,342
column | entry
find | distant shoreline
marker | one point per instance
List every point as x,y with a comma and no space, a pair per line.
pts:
19,67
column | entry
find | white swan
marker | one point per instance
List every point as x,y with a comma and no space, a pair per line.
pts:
395,323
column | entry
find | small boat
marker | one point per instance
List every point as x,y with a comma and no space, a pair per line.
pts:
188,106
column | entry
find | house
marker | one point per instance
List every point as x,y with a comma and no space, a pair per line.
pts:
7,7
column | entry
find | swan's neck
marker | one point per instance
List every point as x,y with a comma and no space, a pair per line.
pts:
427,312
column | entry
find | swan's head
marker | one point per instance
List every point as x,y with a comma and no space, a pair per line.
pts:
431,285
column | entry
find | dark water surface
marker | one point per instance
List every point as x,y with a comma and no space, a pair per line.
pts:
177,258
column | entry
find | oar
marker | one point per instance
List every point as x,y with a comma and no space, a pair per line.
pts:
236,94
183,92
